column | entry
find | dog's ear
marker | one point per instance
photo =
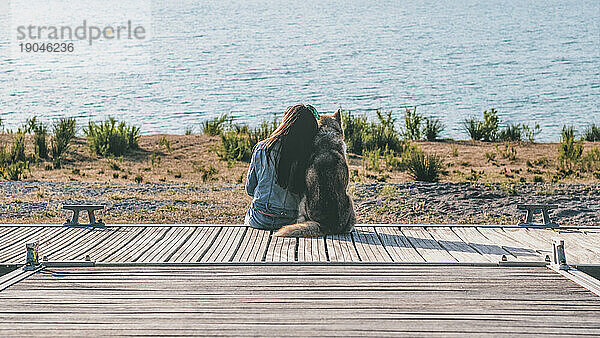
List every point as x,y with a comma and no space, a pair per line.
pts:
338,116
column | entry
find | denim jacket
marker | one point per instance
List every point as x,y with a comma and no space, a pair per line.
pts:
272,206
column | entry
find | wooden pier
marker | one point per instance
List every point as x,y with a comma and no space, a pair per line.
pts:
235,280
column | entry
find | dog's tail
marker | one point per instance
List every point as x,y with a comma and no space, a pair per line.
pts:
304,229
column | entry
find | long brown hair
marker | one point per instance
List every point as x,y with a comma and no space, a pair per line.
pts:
295,135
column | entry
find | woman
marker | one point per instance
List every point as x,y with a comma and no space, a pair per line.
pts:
276,177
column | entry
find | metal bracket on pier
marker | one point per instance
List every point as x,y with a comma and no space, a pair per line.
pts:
559,259
532,209
90,210
32,260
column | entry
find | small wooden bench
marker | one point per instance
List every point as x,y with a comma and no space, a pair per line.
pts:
90,210
532,209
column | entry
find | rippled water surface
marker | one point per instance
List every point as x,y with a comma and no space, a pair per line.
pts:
534,61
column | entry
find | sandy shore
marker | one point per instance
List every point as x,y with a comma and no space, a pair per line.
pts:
181,179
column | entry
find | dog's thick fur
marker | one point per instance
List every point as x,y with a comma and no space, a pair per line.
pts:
326,207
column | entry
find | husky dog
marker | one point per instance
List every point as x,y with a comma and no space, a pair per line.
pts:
326,208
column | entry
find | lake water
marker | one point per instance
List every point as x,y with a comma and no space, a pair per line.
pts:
532,60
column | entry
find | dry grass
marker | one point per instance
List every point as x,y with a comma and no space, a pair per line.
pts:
186,160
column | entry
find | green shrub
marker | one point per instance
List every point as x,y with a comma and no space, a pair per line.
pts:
235,146
238,141
208,174
392,161
454,151
5,157
591,160
432,129
13,163
64,132
355,129
189,130
29,127
569,150
163,142
473,128
17,152
423,167
509,152
490,156
362,136
592,133
370,160
15,171
531,132
262,132
215,126
39,139
412,124
107,138
512,133
486,130
155,159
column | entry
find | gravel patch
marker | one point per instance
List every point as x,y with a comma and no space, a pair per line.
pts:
414,202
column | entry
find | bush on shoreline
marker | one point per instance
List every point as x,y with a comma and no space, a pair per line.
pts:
14,163
485,130
569,150
64,133
424,167
215,127
592,133
419,127
109,139
238,141
362,136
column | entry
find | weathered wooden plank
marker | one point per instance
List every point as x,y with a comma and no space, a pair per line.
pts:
311,249
166,247
397,245
591,238
253,246
490,250
225,246
460,250
76,251
426,245
523,236
6,233
197,246
594,237
518,250
281,249
341,248
465,244
369,246
138,246
114,244
304,300
544,248
18,235
16,245
577,250
66,240
162,242
48,238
